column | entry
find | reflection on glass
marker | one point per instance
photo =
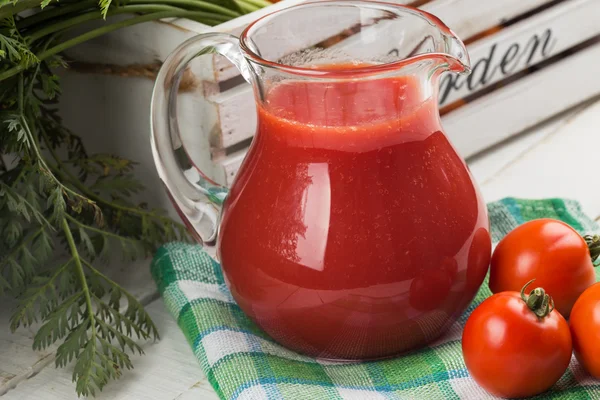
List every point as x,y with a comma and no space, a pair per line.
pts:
315,208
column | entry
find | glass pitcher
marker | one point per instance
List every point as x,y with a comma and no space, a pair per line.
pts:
353,229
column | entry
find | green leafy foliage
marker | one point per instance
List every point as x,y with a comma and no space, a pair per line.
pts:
95,330
7,2
12,45
64,210
77,307
93,321
104,6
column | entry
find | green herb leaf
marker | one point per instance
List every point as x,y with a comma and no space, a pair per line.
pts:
104,6
87,242
56,324
7,2
13,46
50,86
57,199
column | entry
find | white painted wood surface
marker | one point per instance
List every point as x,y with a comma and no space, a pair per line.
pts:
228,118
465,17
562,164
524,103
468,18
237,118
477,125
513,108
536,38
556,159
17,360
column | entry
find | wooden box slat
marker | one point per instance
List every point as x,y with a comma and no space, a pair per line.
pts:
513,108
465,17
525,44
506,53
221,124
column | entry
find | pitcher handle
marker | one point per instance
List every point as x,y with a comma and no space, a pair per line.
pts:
196,196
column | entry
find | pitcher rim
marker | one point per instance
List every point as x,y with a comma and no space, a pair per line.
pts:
359,70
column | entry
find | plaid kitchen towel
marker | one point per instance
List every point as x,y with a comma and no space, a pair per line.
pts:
241,362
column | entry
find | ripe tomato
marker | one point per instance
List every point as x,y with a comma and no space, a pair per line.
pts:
515,345
585,329
549,251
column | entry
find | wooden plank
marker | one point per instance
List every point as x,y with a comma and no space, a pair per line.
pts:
490,162
483,165
199,393
560,165
522,45
17,360
238,122
167,371
138,45
236,116
513,108
465,17
468,18
524,103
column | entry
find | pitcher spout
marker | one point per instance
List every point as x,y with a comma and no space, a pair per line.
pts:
373,37
443,45
457,55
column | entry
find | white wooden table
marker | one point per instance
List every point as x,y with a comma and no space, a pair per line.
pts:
558,158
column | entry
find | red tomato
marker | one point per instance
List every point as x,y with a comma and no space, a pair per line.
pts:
585,329
549,251
513,348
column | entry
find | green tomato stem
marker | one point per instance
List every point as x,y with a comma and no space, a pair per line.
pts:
538,301
593,242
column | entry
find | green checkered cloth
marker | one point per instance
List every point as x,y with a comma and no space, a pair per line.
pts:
242,362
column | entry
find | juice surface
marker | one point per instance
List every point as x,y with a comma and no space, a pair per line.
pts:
353,229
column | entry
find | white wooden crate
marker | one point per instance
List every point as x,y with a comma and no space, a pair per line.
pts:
531,60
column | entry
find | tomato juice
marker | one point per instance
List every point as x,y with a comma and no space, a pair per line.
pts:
353,229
